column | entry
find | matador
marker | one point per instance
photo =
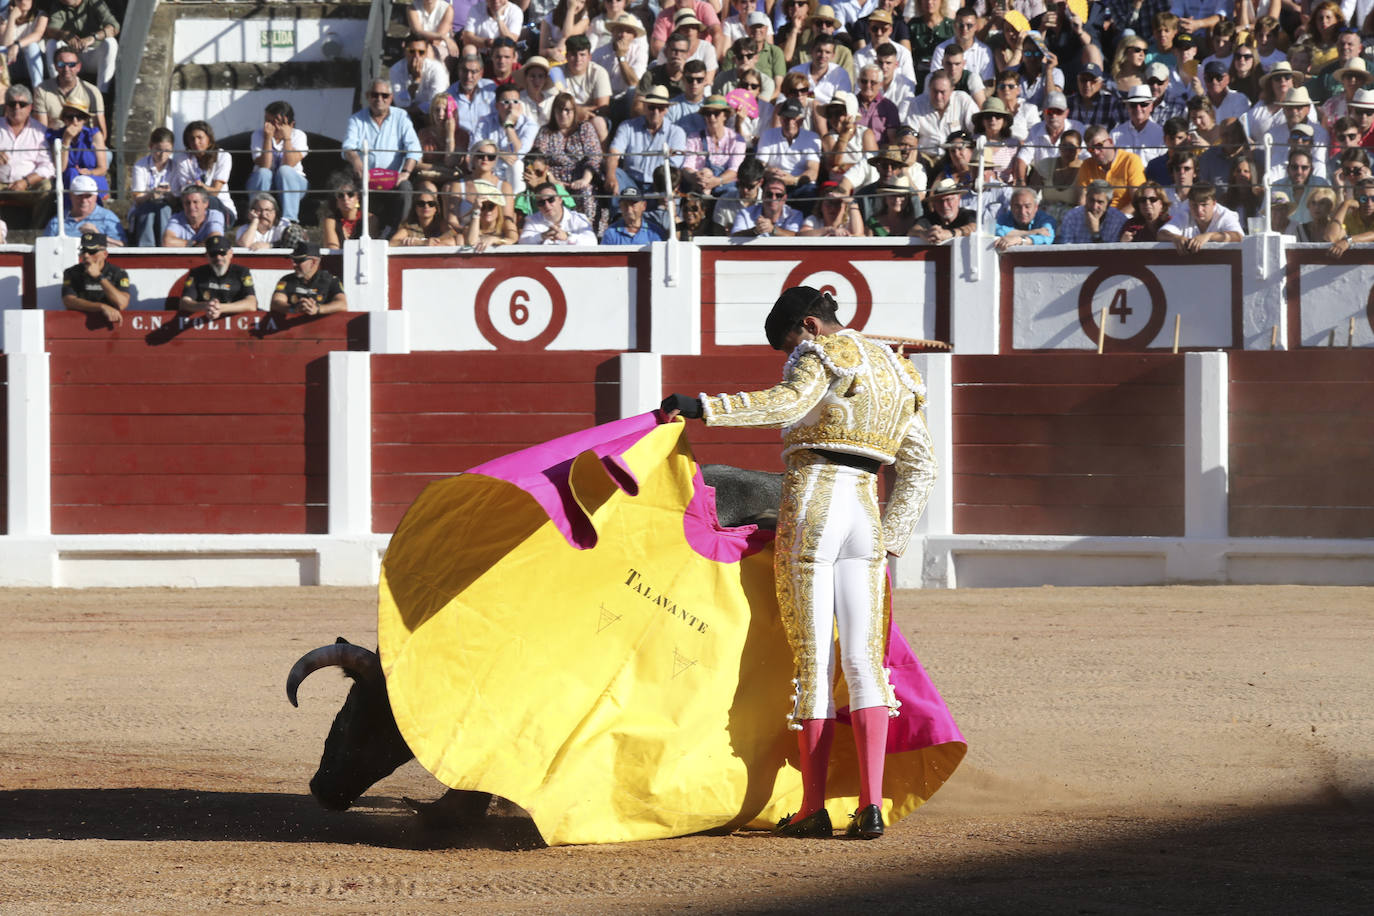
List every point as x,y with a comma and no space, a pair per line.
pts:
846,406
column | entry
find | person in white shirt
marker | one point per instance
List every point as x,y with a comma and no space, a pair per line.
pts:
825,76
1043,139
1226,102
417,78
1297,128
625,56
790,153
588,83
1139,133
1202,222
897,87
554,224
939,112
879,34
277,158
491,20
770,216
977,56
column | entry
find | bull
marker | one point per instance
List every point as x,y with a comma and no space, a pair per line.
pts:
364,744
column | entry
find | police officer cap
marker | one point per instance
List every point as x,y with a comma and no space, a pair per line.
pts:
305,250
93,241
792,307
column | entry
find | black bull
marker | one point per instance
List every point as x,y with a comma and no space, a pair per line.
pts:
365,746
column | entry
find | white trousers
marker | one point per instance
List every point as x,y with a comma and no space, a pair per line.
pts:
829,563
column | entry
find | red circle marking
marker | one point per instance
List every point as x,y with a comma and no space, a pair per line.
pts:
1158,306
482,306
863,296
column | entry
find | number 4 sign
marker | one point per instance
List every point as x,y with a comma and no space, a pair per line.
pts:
1135,303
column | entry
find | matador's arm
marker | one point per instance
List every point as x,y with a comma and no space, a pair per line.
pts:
916,469
782,405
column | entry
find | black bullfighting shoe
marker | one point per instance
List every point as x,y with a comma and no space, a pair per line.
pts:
813,826
865,824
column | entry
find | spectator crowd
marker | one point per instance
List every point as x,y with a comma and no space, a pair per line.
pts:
579,122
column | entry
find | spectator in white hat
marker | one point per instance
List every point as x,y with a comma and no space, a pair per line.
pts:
85,214
1042,140
1268,111
1140,133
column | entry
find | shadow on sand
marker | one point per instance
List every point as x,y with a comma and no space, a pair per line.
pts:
258,817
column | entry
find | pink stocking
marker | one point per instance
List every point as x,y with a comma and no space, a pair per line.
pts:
814,743
870,738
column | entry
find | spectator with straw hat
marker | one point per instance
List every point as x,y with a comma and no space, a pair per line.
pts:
944,218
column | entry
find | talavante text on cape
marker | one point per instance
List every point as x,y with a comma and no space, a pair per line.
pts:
646,591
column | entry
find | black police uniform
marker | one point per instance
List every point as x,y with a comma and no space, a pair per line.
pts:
204,284
323,288
76,282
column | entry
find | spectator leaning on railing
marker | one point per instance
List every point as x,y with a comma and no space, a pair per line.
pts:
1201,222
308,290
93,285
1096,221
554,224
632,228
1021,222
219,286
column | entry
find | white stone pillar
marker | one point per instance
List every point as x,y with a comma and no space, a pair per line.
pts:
641,383
919,567
29,443
675,298
365,277
350,443
974,294
1263,279
51,256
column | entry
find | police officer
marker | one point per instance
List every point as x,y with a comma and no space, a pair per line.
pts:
308,290
94,286
219,287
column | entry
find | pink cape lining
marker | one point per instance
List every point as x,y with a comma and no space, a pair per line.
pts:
542,471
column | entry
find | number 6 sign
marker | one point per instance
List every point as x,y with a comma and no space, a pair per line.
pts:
520,307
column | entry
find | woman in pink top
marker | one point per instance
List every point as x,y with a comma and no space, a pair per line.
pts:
714,154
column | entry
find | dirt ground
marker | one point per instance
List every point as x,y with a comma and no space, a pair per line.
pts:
1180,750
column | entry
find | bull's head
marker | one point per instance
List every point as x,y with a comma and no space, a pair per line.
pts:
364,744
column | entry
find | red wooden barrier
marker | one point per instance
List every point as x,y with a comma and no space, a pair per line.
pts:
437,414
1300,444
164,426
1075,444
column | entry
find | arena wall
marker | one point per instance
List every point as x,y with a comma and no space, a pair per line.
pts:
251,451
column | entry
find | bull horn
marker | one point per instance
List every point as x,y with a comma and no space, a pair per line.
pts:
356,660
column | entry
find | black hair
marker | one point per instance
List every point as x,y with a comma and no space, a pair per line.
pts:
750,172
575,43
793,307
281,109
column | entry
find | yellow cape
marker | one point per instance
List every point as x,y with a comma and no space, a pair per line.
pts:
632,690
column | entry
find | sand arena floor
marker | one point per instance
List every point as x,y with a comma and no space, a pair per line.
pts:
1179,750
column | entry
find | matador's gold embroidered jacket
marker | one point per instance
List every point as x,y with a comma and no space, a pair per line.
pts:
844,393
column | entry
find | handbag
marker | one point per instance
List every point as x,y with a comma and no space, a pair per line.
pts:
382,179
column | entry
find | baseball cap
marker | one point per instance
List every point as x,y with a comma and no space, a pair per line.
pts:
1214,68
791,109
84,184
631,194
1092,70
305,250
1157,71
93,241
1302,130
1056,101
758,19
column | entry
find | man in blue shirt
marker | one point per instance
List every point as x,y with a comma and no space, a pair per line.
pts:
632,228
1095,222
1022,222
512,130
84,213
393,147
474,94
640,142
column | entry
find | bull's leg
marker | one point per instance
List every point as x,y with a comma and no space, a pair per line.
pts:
455,808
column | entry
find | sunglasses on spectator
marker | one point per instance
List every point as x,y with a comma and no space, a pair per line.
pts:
342,194
16,103
1350,171
69,113
486,157
748,55
545,201
1135,50
67,64
870,82
379,95
1217,77
696,79
1156,82
775,195
1245,56
426,203
751,85
1365,198
1138,104
1147,200
804,90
